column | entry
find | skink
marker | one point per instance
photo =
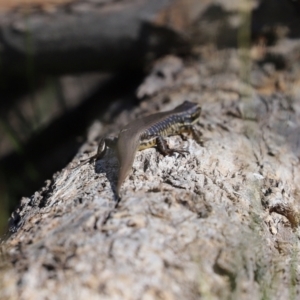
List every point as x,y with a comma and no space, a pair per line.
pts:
148,132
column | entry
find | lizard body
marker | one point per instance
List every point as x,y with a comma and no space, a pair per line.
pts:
148,132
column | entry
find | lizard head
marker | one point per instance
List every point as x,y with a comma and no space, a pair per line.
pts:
189,112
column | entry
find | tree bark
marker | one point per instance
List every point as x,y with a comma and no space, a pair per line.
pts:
220,222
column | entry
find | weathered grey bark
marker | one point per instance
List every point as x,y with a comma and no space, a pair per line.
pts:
219,223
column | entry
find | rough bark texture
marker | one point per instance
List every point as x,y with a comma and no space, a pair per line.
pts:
218,223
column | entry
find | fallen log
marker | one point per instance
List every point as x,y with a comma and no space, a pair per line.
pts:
220,222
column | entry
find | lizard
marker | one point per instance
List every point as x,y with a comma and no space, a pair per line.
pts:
147,132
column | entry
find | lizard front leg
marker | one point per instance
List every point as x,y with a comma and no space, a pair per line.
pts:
163,147
101,150
197,135
102,146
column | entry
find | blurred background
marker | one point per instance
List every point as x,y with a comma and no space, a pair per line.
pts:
65,63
